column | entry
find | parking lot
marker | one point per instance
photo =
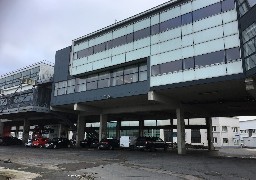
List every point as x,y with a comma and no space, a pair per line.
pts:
81,163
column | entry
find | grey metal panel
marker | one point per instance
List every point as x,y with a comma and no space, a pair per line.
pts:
100,94
61,68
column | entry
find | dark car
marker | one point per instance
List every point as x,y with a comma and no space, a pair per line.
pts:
58,143
108,144
8,140
39,142
150,143
89,143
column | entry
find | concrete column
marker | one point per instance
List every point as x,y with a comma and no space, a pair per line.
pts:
171,122
209,133
1,128
180,131
26,127
141,128
17,131
80,130
103,126
118,127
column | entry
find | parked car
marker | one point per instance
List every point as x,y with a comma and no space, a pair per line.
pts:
150,143
9,140
108,144
28,143
90,143
58,143
39,142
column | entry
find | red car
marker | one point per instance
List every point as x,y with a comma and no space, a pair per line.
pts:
39,142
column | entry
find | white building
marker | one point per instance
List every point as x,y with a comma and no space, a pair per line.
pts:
248,132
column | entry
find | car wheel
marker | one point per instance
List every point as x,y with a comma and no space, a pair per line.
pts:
54,146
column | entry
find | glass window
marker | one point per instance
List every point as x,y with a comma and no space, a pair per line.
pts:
70,89
104,80
211,58
119,41
155,70
130,78
207,11
225,140
81,87
129,38
143,67
187,18
214,128
141,33
250,62
171,66
131,70
91,85
224,128
215,140
155,29
75,56
188,63
109,44
117,77
82,53
228,5
251,2
249,47
143,75
170,24
249,32
90,51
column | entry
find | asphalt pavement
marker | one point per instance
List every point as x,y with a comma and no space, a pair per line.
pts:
18,162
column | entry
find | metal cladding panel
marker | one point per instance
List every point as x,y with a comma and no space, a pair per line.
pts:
119,32
142,43
208,34
232,41
127,90
231,28
207,23
198,4
137,54
170,13
118,59
171,34
81,46
248,19
61,68
155,19
142,24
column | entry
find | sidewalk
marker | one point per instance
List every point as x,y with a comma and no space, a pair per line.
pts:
236,152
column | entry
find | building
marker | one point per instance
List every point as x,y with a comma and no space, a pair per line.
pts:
25,100
182,59
248,133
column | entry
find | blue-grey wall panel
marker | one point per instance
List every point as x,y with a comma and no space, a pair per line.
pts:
61,68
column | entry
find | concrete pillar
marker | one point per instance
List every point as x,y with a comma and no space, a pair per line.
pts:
80,130
171,122
209,133
1,128
17,131
103,126
141,128
180,131
118,127
26,127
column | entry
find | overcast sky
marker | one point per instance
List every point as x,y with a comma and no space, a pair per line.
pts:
33,30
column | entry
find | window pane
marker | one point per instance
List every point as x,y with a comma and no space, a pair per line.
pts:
208,59
171,66
115,81
141,34
119,41
143,67
249,32
100,47
80,81
103,83
249,47
155,29
207,11
109,44
90,51
131,70
187,18
170,24
250,62
155,70
143,76
92,78
82,53
118,72
228,5
251,2
70,89
91,85
130,78
81,87
188,63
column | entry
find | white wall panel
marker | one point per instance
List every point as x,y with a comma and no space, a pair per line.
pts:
198,4
155,59
80,62
234,67
81,46
118,50
166,57
170,45
137,54
97,65
229,16
170,13
208,34
119,32
207,47
154,19
155,49
142,24
188,75
231,28
186,8
129,29
232,41
187,29
187,52
155,38
119,59
142,43
171,34
211,71
207,23
129,47
187,40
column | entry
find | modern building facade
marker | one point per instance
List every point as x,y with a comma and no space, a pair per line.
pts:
181,59
248,133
